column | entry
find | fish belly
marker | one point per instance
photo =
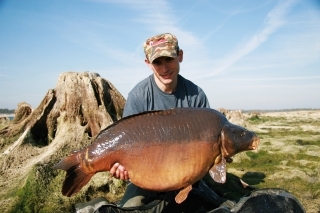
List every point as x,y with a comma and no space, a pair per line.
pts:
168,166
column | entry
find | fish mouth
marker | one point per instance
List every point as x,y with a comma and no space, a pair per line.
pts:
255,143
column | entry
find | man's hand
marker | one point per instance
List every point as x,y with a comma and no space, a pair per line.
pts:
118,171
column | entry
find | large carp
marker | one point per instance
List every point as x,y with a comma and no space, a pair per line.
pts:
161,150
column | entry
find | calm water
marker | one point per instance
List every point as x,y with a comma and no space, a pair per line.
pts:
10,117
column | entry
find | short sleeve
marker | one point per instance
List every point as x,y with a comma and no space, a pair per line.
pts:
132,106
202,100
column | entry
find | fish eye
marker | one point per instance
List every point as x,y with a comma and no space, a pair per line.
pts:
243,134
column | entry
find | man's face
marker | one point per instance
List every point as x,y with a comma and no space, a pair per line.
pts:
166,69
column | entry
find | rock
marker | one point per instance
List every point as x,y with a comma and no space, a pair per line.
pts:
22,112
79,99
234,116
68,118
4,121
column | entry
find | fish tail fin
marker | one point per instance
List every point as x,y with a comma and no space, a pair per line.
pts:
76,176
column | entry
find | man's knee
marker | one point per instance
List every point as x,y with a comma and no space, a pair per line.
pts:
136,196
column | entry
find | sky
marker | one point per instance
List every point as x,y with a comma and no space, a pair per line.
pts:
244,54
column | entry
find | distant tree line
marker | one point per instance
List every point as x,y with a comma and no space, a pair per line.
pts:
7,111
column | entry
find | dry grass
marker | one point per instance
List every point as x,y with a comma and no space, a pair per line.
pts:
288,156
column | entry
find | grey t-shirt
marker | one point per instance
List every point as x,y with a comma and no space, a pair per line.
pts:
147,96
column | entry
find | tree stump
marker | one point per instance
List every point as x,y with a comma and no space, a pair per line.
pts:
68,118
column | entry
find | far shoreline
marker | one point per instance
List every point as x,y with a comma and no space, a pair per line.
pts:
6,115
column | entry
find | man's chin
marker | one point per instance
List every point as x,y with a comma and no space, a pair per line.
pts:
166,81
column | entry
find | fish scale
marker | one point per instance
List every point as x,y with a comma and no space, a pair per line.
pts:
161,150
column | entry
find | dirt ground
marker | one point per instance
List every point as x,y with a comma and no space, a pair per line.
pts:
292,121
303,126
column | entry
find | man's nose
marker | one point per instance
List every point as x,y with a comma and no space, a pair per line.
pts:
165,67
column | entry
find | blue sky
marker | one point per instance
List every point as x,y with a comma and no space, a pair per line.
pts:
245,54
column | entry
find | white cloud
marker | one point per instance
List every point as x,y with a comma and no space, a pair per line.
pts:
274,20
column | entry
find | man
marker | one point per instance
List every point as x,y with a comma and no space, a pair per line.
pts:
164,89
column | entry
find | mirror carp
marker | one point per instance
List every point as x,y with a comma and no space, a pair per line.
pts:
161,150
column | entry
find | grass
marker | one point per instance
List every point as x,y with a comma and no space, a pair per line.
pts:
36,195
41,192
284,160
256,119
308,142
8,140
275,165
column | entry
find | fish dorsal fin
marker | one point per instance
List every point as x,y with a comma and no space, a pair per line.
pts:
130,117
218,171
183,194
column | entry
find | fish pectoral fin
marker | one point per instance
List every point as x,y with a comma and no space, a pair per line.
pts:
218,171
183,194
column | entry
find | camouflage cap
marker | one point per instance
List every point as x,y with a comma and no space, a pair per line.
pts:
161,45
